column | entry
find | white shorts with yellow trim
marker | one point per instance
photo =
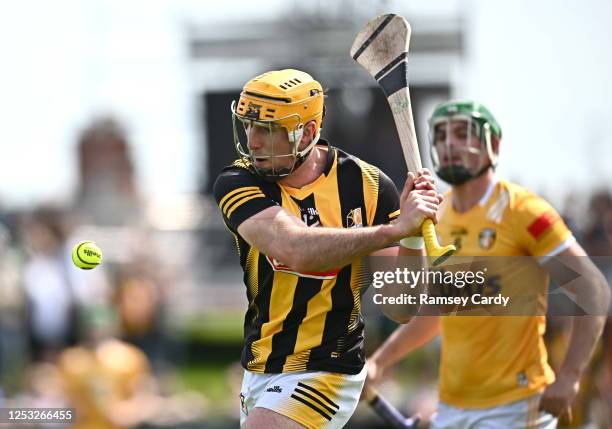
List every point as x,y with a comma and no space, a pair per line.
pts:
523,414
315,399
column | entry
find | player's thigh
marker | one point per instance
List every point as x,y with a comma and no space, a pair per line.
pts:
262,418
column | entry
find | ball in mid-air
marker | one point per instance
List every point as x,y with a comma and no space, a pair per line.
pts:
86,255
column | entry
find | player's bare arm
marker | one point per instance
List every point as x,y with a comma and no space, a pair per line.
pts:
592,294
280,235
407,338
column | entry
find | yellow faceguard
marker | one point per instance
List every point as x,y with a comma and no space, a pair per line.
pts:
284,98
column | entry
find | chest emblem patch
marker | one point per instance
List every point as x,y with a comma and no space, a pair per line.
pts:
486,238
354,219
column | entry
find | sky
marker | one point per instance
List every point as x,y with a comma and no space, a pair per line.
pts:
541,67
544,68
71,60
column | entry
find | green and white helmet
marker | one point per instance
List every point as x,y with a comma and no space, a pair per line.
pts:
469,122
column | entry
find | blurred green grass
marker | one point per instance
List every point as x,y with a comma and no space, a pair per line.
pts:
214,327
209,379
213,342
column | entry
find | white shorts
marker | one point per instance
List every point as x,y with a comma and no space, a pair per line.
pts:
522,414
314,399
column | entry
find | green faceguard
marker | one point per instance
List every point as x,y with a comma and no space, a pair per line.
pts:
485,126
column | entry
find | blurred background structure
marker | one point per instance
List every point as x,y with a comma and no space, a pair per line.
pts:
117,120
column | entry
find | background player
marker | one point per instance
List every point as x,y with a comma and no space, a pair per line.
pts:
494,370
303,358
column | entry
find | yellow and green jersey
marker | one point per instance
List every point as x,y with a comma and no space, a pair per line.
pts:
493,360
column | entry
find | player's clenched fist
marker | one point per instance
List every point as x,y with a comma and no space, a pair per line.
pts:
419,201
424,181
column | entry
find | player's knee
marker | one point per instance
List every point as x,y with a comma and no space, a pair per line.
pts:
262,418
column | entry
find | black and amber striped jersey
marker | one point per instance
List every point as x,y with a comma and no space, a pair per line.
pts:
305,321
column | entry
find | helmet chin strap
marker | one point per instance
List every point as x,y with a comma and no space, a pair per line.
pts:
299,156
304,152
302,155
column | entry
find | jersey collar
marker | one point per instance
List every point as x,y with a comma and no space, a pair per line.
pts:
485,198
328,172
